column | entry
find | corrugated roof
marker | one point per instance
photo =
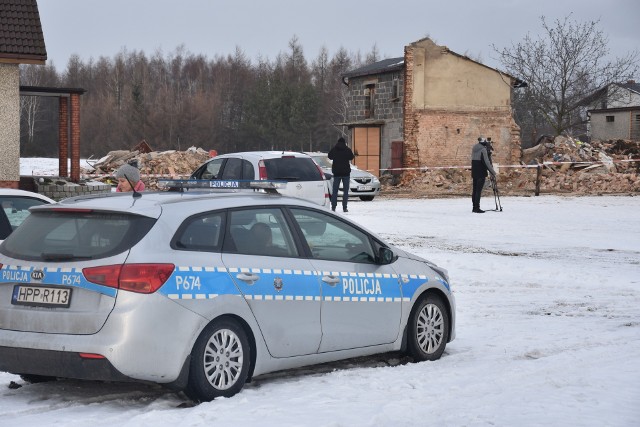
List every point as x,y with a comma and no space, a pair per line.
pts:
384,66
21,36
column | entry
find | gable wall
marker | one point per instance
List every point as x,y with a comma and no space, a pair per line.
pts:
450,101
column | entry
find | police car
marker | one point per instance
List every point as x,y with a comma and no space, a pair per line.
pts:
203,290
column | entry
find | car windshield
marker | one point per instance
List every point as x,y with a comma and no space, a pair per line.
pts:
291,168
67,236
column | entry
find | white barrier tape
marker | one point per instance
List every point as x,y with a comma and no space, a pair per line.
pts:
422,168
499,166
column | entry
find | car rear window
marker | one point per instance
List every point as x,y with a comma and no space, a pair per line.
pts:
75,236
292,169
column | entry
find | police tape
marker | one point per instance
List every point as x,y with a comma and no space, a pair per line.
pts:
420,168
499,166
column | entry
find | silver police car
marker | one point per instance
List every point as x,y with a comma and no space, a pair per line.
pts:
203,290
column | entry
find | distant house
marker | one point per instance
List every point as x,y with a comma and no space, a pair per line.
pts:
427,109
614,112
21,42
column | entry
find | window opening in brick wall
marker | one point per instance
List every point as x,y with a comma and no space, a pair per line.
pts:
610,119
369,107
395,87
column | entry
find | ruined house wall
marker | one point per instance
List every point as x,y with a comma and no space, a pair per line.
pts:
450,101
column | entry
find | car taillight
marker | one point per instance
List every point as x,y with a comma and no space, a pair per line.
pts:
141,278
321,171
262,170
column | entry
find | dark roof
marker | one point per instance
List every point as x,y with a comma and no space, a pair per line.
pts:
21,37
631,85
384,66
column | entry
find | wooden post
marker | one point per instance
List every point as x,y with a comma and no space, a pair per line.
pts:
538,176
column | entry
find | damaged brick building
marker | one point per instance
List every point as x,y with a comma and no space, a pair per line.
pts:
428,109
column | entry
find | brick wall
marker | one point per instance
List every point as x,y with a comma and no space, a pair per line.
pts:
444,137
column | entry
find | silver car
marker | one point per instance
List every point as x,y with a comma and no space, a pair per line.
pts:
201,291
362,184
305,179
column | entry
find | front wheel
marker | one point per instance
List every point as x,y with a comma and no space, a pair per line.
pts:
428,329
219,362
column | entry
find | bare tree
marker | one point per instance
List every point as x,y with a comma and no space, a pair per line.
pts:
563,66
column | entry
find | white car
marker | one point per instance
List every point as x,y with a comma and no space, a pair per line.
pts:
202,290
305,179
362,184
15,208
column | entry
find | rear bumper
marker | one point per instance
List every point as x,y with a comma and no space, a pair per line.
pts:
57,364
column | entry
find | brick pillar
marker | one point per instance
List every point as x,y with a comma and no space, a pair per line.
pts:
63,136
75,137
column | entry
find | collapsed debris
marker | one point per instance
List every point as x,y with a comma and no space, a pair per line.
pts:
153,165
566,166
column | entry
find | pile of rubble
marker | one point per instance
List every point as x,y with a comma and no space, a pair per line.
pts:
566,166
153,165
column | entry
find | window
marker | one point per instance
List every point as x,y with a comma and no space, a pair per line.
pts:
201,233
610,119
259,232
331,239
16,210
370,102
395,88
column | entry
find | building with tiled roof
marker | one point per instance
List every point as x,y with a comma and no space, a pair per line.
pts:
21,42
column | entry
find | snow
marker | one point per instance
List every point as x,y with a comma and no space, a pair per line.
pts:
548,333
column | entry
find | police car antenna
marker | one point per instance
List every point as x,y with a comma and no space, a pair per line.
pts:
136,194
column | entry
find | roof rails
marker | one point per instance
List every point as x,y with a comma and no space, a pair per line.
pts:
269,186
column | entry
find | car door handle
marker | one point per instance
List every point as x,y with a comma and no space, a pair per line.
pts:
330,280
249,278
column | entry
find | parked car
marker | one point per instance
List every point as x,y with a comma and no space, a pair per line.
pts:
15,208
305,179
362,183
201,291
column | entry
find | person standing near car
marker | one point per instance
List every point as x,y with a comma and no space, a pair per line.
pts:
341,155
480,165
128,177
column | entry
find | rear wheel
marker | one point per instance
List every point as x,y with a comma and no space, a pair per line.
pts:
428,329
366,198
219,361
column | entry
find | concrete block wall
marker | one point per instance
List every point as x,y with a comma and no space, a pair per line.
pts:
61,189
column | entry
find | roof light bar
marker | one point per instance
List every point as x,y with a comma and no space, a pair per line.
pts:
221,184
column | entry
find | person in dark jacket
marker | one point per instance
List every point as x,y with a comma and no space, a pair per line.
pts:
341,155
480,165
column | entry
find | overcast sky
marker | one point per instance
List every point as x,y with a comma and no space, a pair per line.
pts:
94,28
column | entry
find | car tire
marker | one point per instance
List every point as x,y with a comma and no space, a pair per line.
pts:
366,198
219,361
428,329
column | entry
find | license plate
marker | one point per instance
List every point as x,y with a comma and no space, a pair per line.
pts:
365,188
41,296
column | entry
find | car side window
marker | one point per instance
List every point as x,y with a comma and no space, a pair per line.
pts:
261,231
248,172
232,169
201,233
331,239
211,170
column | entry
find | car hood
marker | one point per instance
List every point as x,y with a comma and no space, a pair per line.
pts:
404,254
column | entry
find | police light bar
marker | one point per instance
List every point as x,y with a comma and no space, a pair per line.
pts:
221,184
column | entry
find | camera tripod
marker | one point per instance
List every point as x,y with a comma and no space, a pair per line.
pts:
496,194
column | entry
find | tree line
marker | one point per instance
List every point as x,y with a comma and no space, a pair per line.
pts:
183,99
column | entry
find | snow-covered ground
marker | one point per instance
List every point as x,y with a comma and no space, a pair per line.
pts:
548,333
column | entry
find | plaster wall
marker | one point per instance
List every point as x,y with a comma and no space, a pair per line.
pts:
10,119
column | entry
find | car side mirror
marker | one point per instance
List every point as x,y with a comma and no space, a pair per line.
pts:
328,176
385,256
